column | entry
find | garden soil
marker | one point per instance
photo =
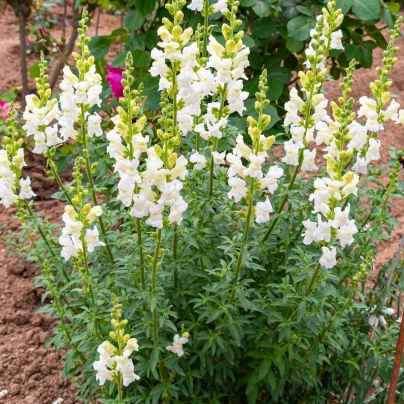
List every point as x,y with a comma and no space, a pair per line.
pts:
30,372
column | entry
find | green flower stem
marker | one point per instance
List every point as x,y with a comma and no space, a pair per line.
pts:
285,197
58,180
154,312
243,244
214,145
61,317
41,232
92,187
175,255
141,253
205,27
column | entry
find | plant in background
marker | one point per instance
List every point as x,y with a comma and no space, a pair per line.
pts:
239,278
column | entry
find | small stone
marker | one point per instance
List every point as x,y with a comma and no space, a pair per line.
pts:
14,389
45,370
31,369
43,336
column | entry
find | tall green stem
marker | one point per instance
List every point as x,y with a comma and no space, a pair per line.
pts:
154,312
91,181
141,253
243,244
175,253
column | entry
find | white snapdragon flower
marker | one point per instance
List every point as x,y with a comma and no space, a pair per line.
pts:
310,233
373,152
360,167
323,231
346,232
341,217
70,246
199,160
297,133
219,158
254,169
324,134
329,257
177,346
176,211
292,153
94,125
92,239
270,181
392,111
238,188
262,211
25,189
309,160
336,40
156,215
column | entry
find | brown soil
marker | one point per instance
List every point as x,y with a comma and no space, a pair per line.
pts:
31,373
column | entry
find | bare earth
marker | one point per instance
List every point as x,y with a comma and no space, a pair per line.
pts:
31,373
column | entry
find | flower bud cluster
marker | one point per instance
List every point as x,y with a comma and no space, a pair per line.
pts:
78,238
39,113
114,363
12,185
239,174
305,117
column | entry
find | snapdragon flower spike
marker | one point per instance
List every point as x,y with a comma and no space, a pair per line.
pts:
239,174
331,193
307,116
79,235
13,187
158,186
40,112
114,363
80,93
372,113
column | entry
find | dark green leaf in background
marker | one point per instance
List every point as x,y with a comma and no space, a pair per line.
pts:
299,27
366,9
263,28
344,5
145,7
99,46
262,9
134,20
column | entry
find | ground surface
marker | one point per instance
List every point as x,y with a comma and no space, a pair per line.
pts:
31,373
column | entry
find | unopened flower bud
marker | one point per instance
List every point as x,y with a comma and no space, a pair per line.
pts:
185,335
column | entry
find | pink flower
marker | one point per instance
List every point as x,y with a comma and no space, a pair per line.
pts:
4,110
114,78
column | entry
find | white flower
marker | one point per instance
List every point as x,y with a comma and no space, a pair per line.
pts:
336,37
346,232
262,211
156,216
94,125
254,168
70,246
360,167
177,346
341,217
141,205
309,234
170,192
309,160
297,133
219,158
196,5
328,259
26,191
92,240
392,111
292,153
176,211
52,136
270,181
373,152
323,231
199,160
40,143
238,188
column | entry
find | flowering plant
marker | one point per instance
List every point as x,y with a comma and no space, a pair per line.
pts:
227,263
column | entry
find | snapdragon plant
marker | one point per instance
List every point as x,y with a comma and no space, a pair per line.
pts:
233,274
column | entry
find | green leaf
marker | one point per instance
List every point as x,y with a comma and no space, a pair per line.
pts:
263,28
262,9
299,27
274,90
264,369
279,74
34,71
145,7
305,10
294,45
151,38
393,6
99,46
141,58
366,9
248,41
344,5
134,20
248,3
119,60
9,95
354,52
